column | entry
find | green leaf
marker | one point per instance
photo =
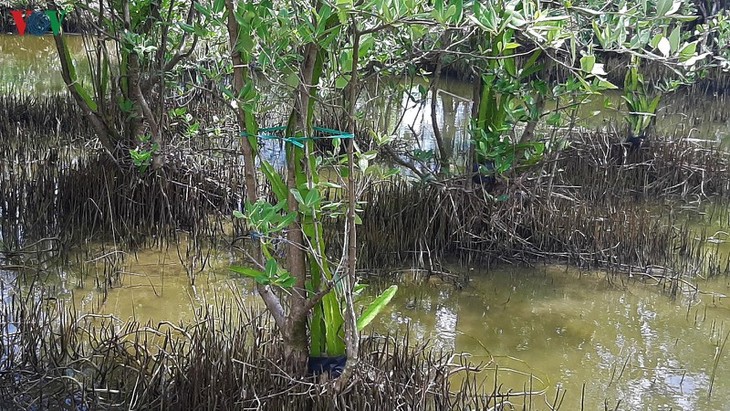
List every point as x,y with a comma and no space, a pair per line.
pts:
674,39
573,49
685,19
126,106
271,267
459,14
359,288
587,62
599,33
238,214
297,195
292,80
663,7
438,6
312,197
202,9
187,28
285,222
285,280
376,307
687,52
653,105
450,13
362,163
509,65
655,40
554,119
273,177
346,61
606,85
334,324
489,18
676,4
257,275
342,81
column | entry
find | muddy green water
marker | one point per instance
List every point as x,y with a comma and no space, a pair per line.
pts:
545,327
623,341
542,327
29,64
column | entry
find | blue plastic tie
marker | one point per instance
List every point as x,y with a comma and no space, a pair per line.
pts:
299,141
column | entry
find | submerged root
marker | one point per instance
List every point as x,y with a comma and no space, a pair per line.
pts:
591,205
598,210
229,358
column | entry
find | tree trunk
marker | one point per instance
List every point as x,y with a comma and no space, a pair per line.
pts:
143,110
272,302
529,133
352,336
296,334
477,100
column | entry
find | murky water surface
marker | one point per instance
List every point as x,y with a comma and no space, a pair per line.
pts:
623,340
29,64
540,328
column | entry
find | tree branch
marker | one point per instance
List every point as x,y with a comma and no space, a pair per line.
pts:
104,132
316,298
178,57
443,153
402,162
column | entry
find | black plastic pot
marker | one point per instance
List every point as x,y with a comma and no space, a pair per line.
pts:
479,178
330,365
